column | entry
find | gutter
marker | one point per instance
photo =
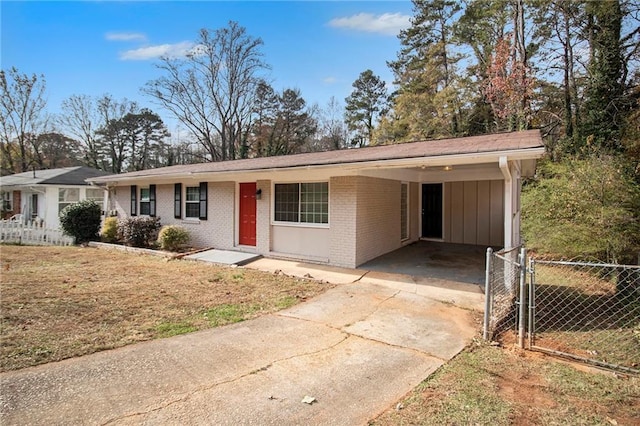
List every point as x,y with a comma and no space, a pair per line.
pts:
452,159
503,163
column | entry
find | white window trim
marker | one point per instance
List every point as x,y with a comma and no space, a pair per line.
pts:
96,199
144,200
7,196
68,202
190,219
300,224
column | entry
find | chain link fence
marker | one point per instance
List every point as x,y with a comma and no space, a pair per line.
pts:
501,289
586,311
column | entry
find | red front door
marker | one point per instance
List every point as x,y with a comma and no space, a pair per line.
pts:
247,235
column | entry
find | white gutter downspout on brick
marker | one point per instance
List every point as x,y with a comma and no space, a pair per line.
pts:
508,201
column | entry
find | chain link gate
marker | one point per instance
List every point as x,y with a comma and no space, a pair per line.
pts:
586,311
502,286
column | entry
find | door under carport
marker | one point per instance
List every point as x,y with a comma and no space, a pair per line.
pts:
432,211
469,212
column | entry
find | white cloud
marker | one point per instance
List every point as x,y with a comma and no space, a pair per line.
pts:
174,50
329,80
387,23
114,36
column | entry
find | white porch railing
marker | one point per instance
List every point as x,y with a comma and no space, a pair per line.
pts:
32,233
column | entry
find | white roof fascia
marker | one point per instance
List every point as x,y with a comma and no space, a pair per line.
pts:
453,159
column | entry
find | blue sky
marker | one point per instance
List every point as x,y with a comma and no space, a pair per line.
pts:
95,48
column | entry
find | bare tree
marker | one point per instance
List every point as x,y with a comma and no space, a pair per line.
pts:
56,150
113,136
22,117
211,90
87,119
81,119
333,133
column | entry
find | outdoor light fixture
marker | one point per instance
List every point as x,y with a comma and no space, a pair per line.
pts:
258,194
447,168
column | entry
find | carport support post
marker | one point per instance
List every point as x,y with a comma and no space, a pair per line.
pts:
487,295
521,297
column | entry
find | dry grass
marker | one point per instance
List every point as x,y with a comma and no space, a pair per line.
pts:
61,302
487,385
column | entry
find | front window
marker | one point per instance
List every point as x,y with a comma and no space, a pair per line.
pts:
145,201
67,196
96,195
302,202
192,203
7,201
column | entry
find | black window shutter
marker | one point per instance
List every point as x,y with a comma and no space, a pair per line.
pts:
203,200
152,200
134,199
177,201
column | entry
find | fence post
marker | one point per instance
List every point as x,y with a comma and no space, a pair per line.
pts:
521,300
532,301
487,295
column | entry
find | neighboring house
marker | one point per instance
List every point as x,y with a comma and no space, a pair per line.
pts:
343,207
42,194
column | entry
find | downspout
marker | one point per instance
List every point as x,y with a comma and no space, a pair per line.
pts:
508,202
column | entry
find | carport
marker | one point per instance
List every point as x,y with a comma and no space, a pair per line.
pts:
435,261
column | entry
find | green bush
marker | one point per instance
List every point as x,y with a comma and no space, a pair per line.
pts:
172,237
109,231
138,231
583,208
81,221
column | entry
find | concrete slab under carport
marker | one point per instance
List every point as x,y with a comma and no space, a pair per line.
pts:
405,269
448,262
468,296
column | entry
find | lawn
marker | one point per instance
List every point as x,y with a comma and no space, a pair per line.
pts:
488,385
62,302
58,303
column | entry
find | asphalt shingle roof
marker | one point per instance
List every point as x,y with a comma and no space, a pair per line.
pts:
62,176
433,148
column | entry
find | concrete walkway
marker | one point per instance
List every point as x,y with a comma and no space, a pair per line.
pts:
355,349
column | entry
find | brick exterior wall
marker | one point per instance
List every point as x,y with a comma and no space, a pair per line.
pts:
17,202
122,197
164,204
263,219
364,215
217,231
342,221
378,218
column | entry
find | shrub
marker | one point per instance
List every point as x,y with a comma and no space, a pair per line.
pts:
583,208
138,231
81,221
171,237
109,231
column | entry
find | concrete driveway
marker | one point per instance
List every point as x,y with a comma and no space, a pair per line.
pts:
355,350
